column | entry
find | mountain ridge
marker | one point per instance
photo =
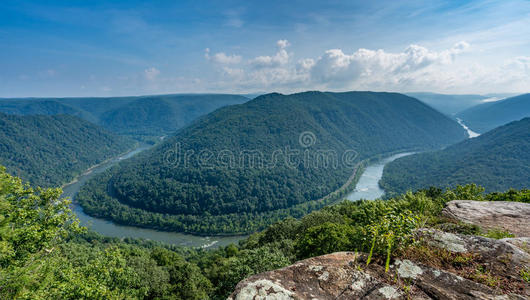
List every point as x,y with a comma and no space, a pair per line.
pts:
150,115
487,116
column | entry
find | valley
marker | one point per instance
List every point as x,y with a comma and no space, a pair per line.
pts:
470,132
204,254
367,187
489,115
264,150
241,198
49,150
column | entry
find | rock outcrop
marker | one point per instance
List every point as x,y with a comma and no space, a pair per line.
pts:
513,217
441,265
344,275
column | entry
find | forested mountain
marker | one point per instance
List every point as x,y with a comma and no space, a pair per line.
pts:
497,160
487,116
244,166
144,115
449,104
51,150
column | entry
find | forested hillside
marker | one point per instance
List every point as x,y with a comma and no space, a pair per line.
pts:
449,104
487,116
244,166
136,116
497,160
51,150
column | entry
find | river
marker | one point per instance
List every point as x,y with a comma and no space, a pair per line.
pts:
470,132
108,228
368,186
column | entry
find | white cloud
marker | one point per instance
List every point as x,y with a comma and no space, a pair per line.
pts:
222,58
375,67
282,43
413,69
280,58
151,73
305,64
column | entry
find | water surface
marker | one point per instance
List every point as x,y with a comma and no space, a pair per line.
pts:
471,134
368,186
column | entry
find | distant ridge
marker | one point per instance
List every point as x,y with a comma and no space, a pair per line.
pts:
449,104
136,116
487,116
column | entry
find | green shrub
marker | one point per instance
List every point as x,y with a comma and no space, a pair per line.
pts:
327,238
390,233
498,234
525,274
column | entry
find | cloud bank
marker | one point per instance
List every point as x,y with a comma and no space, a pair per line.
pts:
414,68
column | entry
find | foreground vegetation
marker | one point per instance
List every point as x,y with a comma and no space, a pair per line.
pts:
44,254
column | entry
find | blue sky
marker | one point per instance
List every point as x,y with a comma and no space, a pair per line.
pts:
112,48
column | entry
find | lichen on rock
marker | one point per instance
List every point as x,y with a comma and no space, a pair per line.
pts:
408,269
264,289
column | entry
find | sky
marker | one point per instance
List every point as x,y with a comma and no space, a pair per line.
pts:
118,48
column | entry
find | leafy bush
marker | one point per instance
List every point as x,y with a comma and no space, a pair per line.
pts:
327,238
498,234
393,231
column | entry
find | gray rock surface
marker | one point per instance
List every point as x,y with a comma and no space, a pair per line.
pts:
510,216
522,243
506,257
344,275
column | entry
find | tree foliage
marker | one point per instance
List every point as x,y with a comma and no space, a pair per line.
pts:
52,150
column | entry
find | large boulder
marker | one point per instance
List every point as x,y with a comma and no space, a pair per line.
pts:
513,217
505,258
344,275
